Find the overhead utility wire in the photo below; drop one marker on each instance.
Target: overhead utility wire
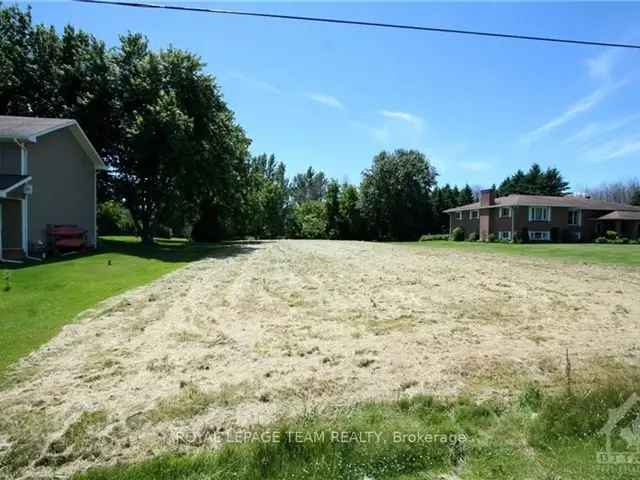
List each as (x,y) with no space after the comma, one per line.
(362,23)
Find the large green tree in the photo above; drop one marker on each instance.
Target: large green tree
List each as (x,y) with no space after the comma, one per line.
(351,225)
(466,196)
(395,195)
(310,185)
(635,199)
(266,203)
(535,182)
(332,207)
(174,151)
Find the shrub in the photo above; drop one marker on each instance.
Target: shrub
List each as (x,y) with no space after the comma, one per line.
(428,238)
(162,231)
(601,240)
(491,238)
(611,235)
(620,240)
(458,234)
(113,218)
(473,237)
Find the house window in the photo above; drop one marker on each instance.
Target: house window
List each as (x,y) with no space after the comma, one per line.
(504,235)
(575,217)
(475,214)
(539,214)
(505,212)
(539,236)
(458,215)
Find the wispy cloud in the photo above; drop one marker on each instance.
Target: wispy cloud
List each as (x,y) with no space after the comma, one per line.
(255,83)
(614,149)
(583,105)
(475,167)
(413,120)
(328,100)
(600,67)
(598,129)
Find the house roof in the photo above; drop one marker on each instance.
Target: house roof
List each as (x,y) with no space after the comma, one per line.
(9,182)
(621,215)
(29,129)
(547,201)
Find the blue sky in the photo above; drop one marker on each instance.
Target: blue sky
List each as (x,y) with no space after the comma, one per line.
(333,96)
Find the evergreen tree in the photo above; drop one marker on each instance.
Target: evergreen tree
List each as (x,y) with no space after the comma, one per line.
(466,196)
(332,206)
(535,182)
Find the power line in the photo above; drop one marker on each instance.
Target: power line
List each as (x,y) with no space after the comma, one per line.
(362,23)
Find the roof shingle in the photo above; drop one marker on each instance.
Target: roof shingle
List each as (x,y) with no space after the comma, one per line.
(547,201)
(25,128)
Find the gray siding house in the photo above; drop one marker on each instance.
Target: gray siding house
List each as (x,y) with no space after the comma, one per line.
(47,176)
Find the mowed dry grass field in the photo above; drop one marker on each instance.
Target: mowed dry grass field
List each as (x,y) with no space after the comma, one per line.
(286,327)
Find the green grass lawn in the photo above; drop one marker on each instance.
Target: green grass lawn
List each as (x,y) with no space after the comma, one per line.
(570,252)
(42,297)
(538,436)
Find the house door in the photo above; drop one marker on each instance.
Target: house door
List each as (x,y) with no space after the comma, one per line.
(11,226)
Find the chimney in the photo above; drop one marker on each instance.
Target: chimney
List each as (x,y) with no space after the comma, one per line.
(487,197)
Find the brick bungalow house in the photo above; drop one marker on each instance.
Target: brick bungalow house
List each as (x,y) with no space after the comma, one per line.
(545,218)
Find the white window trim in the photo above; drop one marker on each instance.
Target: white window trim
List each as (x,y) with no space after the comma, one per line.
(545,234)
(474,214)
(458,215)
(532,216)
(504,235)
(500,215)
(579,224)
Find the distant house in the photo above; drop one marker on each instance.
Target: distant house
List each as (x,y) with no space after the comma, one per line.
(47,177)
(545,218)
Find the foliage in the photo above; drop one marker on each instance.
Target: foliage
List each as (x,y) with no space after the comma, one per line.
(395,195)
(351,223)
(491,238)
(466,196)
(155,117)
(621,192)
(114,219)
(611,235)
(473,237)
(310,185)
(430,238)
(332,207)
(309,220)
(266,204)
(458,234)
(535,182)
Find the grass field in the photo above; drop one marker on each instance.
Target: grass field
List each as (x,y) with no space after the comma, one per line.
(293,328)
(575,252)
(538,436)
(36,300)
